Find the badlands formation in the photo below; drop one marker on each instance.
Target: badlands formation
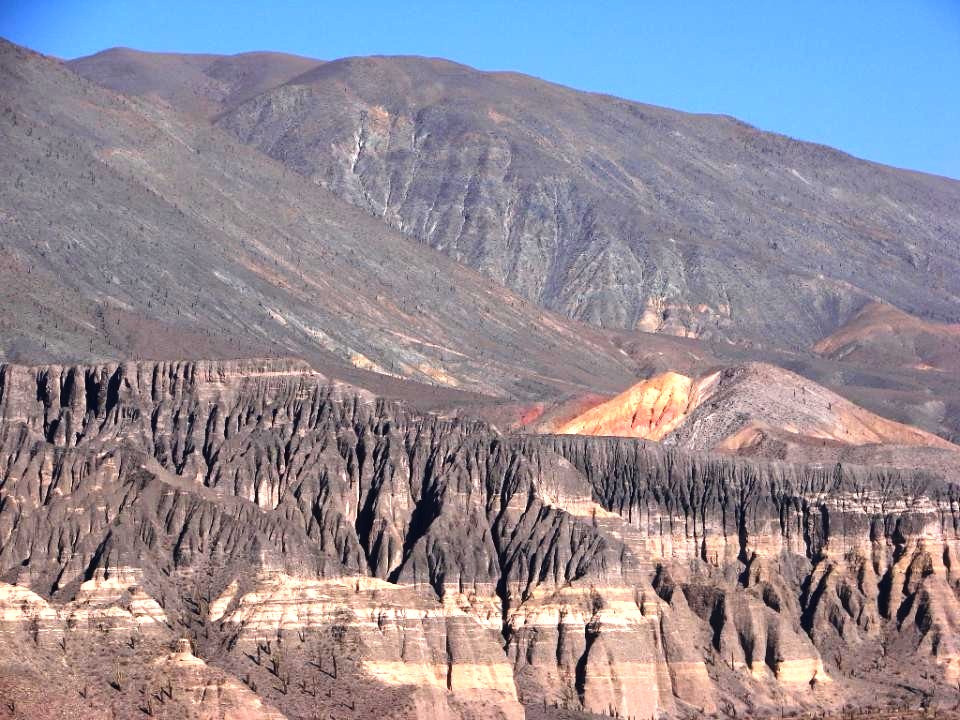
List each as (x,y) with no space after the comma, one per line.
(254,538)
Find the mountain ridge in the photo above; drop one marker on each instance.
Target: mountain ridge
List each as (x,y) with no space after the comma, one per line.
(883,333)
(218,250)
(780,305)
(79,61)
(763,411)
(618,213)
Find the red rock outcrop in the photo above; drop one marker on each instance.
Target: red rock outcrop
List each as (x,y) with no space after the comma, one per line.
(759,410)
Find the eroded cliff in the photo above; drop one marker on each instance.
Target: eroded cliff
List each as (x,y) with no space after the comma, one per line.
(326,551)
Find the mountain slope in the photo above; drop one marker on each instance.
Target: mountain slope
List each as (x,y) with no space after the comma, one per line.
(130,231)
(621,214)
(202,85)
(885,335)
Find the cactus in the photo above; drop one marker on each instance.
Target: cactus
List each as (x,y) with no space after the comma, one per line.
(118,677)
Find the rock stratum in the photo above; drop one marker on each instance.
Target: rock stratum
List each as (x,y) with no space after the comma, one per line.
(251,539)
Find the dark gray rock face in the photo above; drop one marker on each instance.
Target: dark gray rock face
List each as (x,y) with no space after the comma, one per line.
(250,504)
(621,214)
(279,437)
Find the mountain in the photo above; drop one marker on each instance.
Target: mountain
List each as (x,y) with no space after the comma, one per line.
(265,455)
(760,410)
(132,231)
(199,85)
(886,384)
(250,539)
(617,213)
(317,119)
(885,335)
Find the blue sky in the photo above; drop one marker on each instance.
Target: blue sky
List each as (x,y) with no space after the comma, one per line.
(878,79)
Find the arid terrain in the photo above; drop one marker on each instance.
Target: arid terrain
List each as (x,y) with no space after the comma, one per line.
(388,388)
(325,551)
(621,214)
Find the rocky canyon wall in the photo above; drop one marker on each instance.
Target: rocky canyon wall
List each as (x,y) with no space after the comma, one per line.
(326,551)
